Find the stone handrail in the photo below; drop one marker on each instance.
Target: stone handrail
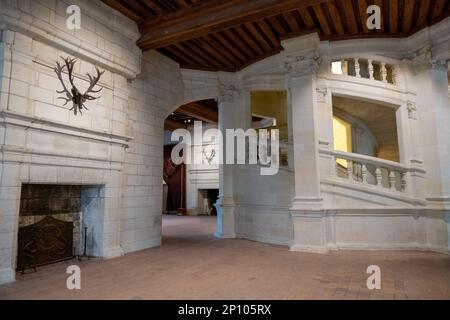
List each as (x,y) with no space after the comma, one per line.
(372,171)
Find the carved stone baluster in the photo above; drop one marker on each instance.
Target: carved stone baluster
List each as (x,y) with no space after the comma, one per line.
(378,176)
(384,73)
(336,167)
(357,68)
(371,70)
(350,170)
(363,173)
(403,182)
(394,75)
(344,71)
(392,179)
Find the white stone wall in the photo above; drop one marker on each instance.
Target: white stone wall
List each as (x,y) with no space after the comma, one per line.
(117,144)
(153,95)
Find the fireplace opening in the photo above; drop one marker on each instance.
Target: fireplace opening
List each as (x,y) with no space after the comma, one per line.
(58,222)
(207,199)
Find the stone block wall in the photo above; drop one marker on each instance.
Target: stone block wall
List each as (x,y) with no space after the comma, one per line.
(114,148)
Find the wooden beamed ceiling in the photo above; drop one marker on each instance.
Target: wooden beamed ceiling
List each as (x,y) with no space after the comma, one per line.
(229,35)
(184,116)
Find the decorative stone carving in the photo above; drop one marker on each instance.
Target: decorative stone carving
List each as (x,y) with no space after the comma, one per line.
(228,93)
(423,60)
(412,108)
(303,65)
(321,94)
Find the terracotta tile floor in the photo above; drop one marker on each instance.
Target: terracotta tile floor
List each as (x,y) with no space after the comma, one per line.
(192,264)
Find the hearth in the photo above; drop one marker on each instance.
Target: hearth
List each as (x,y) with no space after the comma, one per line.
(55,221)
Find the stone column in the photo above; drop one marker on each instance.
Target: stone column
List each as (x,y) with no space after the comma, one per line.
(228,104)
(433,111)
(306,211)
(433,108)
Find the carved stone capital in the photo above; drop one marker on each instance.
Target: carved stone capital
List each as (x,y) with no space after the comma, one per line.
(321,94)
(423,60)
(412,109)
(228,93)
(303,65)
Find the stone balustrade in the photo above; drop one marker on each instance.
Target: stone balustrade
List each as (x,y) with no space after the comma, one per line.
(368,170)
(366,68)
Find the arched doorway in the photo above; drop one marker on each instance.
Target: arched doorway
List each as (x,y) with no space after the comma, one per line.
(190,190)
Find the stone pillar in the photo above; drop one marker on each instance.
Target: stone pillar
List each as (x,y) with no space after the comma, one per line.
(306,211)
(433,108)
(229,102)
(433,111)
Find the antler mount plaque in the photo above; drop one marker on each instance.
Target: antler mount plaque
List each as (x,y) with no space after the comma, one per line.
(78,99)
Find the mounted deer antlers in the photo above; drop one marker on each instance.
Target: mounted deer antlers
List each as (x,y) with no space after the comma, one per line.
(78,99)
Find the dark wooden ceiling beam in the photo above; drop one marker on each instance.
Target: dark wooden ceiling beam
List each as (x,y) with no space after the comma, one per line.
(195,46)
(189,52)
(337,21)
(408,15)
(126,10)
(291,22)
(320,15)
(438,9)
(424,9)
(231,47)
(173,125)
(306,18)
(200,112)
(216,53)
(258,36)
(209,17)
(154,7)
(241,44)
(253,43)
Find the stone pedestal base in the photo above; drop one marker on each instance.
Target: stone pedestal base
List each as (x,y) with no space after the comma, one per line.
(309,229)
(226,227)
(7,276)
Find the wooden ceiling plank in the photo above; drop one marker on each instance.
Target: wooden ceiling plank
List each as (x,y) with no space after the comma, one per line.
(438,9)
(350,16)
(197,48)
(212,41)
(269,33)
(216,53)
(393,16)
(211,16)
(182,56)
(254,46)
(362,8)
(322,20)
(233,35)
(306,17)
(115,4)
(200,112)
(154,7)
(138,7)
(258,37)
(380,4)
(182,3)
(173,125)
(230,46)
(335,16)
(291,22)
(424,9)
(408,14)
(188,51)
(277,26)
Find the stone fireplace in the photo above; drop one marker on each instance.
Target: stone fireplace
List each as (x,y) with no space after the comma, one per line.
(57,222)
(207,199)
